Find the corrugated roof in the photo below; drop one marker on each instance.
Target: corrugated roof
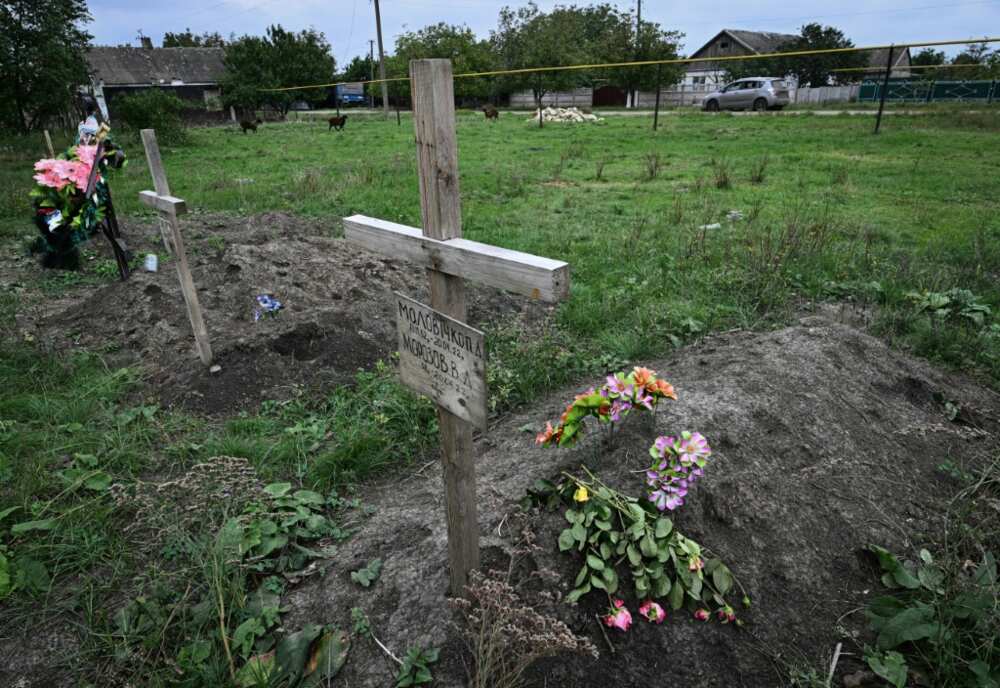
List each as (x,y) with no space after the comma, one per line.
(119,66)
(877,58)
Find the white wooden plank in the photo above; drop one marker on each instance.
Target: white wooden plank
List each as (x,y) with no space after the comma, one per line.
(523,273)
(443,359)
(166,204)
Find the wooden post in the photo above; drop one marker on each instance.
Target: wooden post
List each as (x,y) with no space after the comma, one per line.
(159,176)
(656,109)
(441,210)
(48,144)
(169,208)
(885,88)
(539,92)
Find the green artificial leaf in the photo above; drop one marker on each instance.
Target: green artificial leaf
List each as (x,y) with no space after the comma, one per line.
(582,576)
(890,666)
(648,547)
(597,581)
(574,595)
(369,574)
(579,533)
(676,596)
(573,516)
(595,562)
(610,580)
(663,527)
(28,526)
(722,578)
(278,489)
(566,540)
(661,588)
(634,557)
(926,557)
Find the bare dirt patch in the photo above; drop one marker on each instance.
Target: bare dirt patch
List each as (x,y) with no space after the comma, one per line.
(337,309)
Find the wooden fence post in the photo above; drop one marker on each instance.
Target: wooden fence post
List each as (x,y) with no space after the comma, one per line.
(48,143)
(441,210)
(885,88)
(656,110)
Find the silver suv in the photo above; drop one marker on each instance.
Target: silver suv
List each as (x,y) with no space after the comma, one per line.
(756,92)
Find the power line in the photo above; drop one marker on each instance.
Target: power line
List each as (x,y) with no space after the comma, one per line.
(672,61)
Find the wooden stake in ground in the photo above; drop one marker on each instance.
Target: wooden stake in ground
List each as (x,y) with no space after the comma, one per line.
(439,355)
(169,208)
(48,143)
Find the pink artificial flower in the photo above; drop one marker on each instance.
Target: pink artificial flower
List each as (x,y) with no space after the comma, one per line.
(726,614)
(652,611)
(701,615)
(616,385)
(51,179)
(80,176)
(696,564)
(44,164)
(693,447)
(664,444)
(618,616)
(86,154)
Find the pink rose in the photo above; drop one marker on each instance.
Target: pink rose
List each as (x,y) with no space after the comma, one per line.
(701,615)
(652,611)
(618,616)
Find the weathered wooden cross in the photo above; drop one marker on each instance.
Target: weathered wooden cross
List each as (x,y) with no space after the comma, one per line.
(441,356)
(169,208)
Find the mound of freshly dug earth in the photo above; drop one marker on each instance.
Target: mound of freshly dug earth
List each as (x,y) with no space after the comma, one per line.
(825,441)
(336,318)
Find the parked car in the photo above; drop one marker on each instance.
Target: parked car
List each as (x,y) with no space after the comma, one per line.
(757,93)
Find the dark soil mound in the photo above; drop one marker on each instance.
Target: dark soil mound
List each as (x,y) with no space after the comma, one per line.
(825,440)
(337,310)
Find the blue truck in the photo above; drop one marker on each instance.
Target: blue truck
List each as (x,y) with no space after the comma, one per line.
(350,94)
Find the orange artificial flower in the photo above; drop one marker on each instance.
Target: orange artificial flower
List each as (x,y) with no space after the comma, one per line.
(565,414)
(643,376)
(545,436)
(662,388)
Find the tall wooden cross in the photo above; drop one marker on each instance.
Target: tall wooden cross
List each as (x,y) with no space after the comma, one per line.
(169,208)
(440,356)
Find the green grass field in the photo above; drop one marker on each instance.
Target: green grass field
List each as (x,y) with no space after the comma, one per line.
(827,212)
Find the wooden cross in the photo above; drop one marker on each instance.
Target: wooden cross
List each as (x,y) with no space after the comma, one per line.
(438,352)
(169,209)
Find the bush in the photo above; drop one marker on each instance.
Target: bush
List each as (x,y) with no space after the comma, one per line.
(152,109)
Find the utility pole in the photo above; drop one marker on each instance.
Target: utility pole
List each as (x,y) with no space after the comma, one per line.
(381,62)
(371,73)
(638,48)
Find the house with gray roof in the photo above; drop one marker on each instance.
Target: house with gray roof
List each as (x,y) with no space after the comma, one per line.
(734,42)
(192,74)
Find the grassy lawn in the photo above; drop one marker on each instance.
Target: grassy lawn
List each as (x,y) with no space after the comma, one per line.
(824,211)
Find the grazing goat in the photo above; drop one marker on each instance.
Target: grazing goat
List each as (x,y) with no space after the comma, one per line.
(247,124)
(491,112)
(338,122)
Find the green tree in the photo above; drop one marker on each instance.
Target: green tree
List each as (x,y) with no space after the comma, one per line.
(456,43)
(974,54)
(928,57)
(186,39)
(358,69)
(278,59)
(42,44)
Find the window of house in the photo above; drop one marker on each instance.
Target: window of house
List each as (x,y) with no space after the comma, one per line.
(723,45)
(697,80)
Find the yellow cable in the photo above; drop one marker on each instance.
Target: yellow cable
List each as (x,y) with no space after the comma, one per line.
(645,63)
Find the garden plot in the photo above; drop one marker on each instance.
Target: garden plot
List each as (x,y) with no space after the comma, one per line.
(336,315)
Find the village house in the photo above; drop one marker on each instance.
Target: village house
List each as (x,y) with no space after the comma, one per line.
(192,74)
(733,42)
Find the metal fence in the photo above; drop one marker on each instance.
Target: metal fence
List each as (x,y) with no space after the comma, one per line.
(927,91)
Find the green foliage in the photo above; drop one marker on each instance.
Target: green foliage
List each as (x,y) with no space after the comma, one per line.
(279,58)
(612,530)
(955,306)
(368,574)
(943,617)
(415,669)
(42,46)
(186,39)
(457,43)
(152,109)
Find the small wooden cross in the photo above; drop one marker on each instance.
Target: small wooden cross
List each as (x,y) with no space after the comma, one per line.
(444,365)
(169,209)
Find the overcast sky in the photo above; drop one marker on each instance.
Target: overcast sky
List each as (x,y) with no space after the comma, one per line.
(349,24)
